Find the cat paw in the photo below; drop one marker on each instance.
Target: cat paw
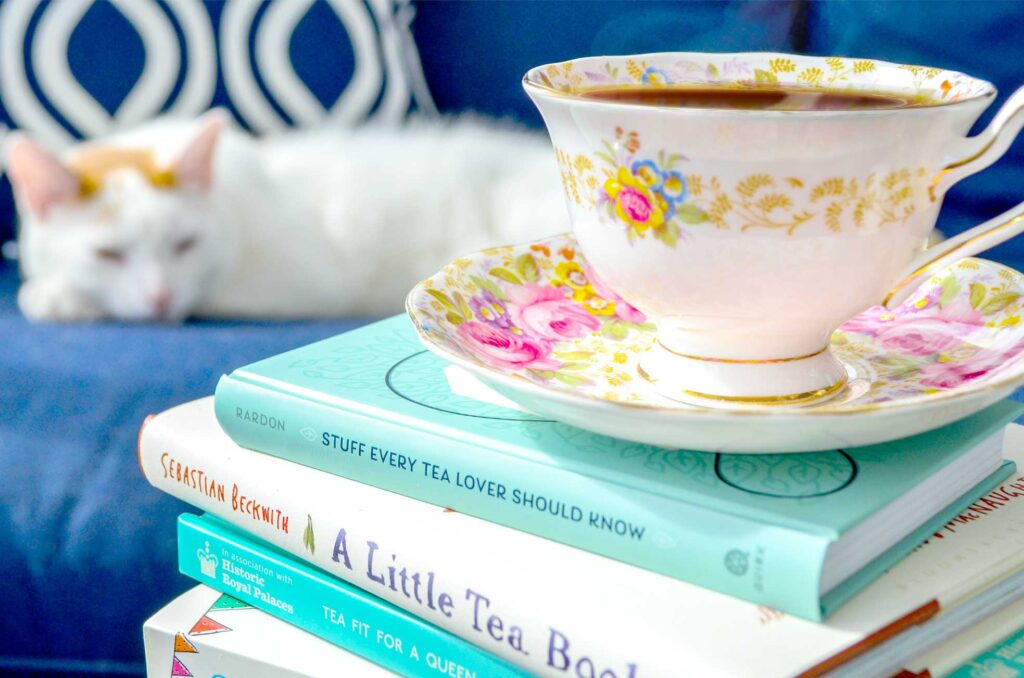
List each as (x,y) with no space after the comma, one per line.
(43,301)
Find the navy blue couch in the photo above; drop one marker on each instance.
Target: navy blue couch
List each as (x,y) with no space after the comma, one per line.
(88,546)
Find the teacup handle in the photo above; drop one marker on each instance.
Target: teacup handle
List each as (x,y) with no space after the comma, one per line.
(975,154)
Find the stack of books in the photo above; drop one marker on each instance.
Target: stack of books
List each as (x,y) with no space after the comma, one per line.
(359,507)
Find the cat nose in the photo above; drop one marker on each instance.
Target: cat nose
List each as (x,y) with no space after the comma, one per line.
(161,302)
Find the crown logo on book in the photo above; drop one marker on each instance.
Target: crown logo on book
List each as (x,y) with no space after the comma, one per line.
(737,562)
(207,562)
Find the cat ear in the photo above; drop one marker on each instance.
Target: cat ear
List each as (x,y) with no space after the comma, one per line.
(38,176)
(194,167)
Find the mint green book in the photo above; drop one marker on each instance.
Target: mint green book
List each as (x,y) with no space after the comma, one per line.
(800,533)
(216,554)
(1003,660)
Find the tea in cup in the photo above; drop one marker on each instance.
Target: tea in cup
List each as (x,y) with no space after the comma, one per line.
(750,203)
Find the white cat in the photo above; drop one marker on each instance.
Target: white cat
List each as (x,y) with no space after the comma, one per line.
(177,218)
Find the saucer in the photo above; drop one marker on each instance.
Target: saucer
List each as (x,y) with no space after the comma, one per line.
(533,323)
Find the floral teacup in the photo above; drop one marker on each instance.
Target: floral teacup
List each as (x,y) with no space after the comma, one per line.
(748,236)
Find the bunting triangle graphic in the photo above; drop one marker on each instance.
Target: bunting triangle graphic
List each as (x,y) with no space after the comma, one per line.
(181,644)
(226,602)
(207,625)
(178,669)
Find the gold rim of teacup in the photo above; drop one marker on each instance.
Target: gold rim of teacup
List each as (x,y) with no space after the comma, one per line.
(744,361)
(767,401)
(530,83)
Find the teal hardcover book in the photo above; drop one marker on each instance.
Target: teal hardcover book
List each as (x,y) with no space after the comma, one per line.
(218,555)
(801,533)
(1003,660)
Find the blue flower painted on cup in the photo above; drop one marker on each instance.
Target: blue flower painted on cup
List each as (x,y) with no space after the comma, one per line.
(673,187)
(648,172)
(655,76)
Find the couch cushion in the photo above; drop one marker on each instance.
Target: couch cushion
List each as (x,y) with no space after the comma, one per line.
(89,546)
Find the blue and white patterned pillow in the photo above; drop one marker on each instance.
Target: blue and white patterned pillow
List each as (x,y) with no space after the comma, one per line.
(79,68)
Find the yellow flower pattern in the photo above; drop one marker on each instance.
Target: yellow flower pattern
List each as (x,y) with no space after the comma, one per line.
(757,201)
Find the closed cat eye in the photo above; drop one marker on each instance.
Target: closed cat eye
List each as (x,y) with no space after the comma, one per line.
(185,245)
(114,256)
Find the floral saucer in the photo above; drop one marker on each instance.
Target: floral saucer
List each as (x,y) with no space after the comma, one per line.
(534,323)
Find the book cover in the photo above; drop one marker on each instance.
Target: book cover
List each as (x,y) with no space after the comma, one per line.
(205,634)
(373,406)
(966,651)
(1003,660)
(554,609)
(213,553)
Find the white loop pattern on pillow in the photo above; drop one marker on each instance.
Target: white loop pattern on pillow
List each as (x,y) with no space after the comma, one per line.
(386,80)
(147,96)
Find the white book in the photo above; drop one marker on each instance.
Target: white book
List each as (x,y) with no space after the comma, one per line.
(553,609)
(204,634)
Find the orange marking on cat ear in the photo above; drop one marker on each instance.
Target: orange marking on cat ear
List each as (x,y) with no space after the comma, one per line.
(567,252)
(38,176)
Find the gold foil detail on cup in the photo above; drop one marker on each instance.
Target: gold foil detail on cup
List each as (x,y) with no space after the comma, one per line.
(735,361)
(768,401)
(789,399)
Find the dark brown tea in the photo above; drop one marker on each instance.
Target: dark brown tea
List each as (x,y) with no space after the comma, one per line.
(756,98)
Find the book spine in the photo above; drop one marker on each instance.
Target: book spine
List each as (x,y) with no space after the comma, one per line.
(324,606)
(553,610)
(762,563)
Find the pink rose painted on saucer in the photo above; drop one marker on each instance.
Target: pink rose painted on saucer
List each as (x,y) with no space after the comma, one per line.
(947,334)
(947,375)
(524,314)
(918,336)
(501,348)
(944,376)
(546,313)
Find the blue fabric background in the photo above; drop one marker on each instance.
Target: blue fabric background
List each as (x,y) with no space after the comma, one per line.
(88,546)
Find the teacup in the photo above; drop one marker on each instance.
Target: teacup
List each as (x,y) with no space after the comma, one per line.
(749,235)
